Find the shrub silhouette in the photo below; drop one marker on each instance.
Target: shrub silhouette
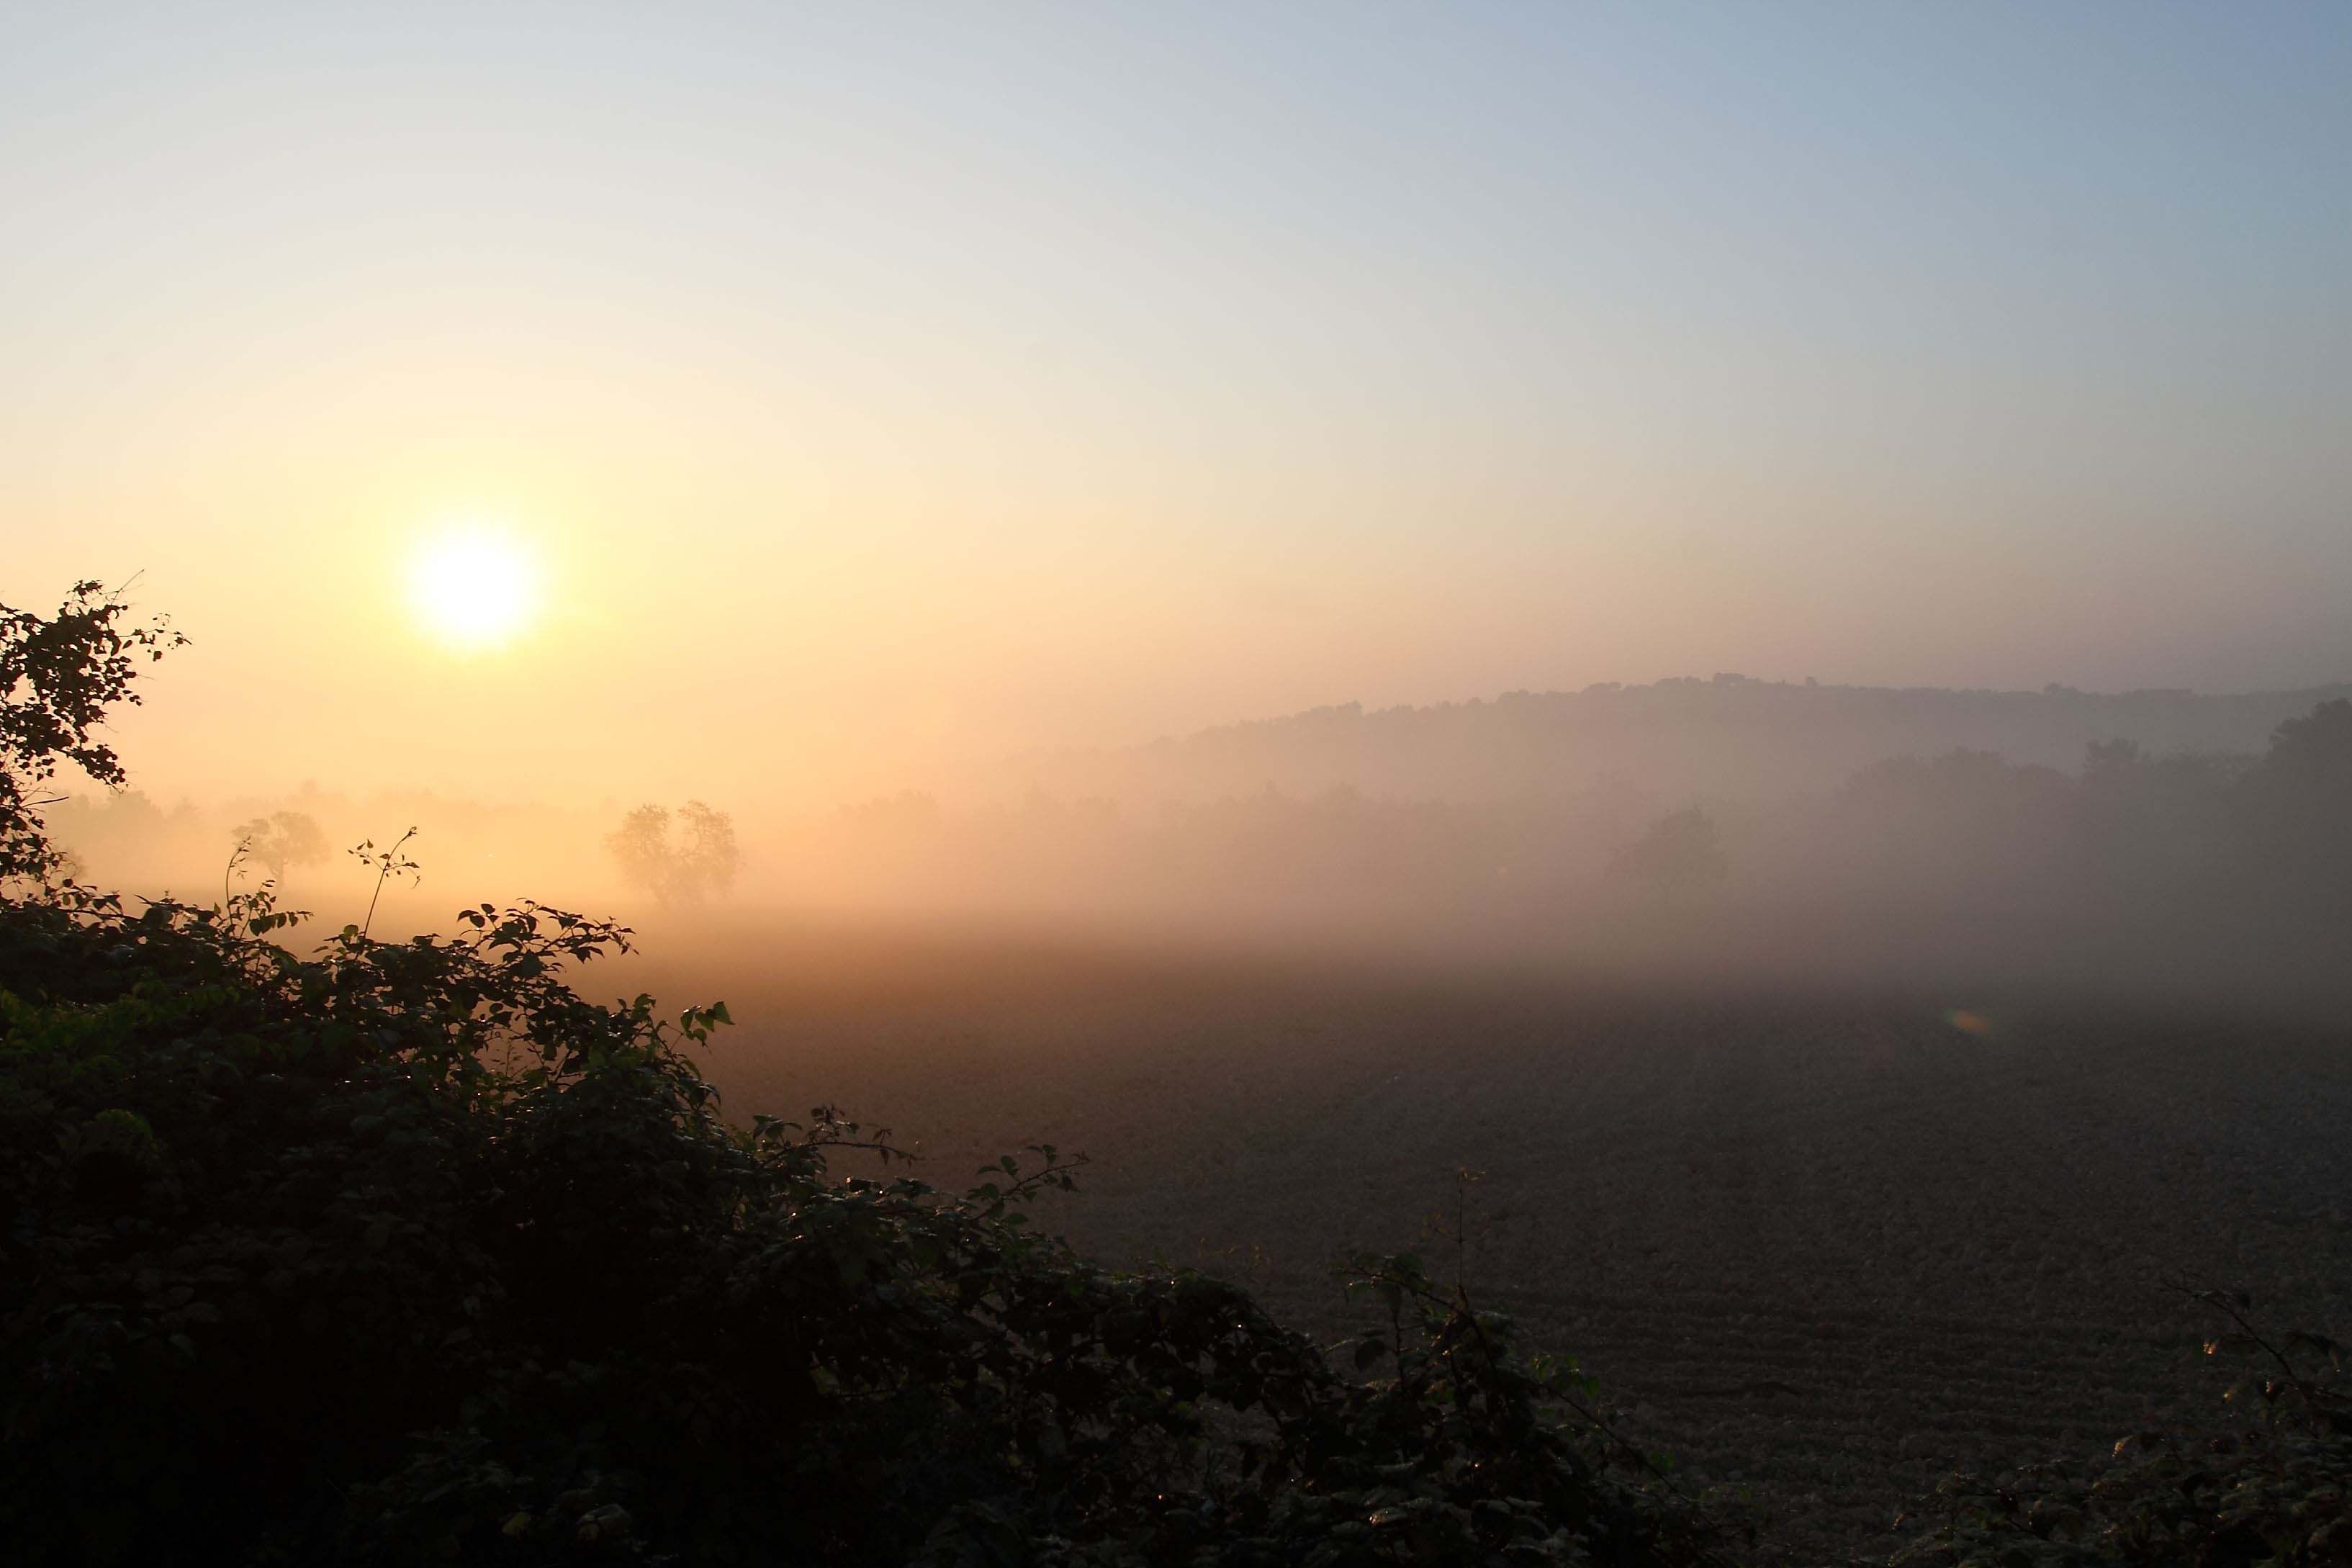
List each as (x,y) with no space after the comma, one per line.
(2271,1483)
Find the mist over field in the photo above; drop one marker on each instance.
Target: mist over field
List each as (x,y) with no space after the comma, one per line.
(1720,831)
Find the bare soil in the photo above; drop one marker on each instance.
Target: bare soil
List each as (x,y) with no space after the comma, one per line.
(1827,1246)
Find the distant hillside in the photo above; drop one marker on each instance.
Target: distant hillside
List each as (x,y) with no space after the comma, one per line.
(1726,736)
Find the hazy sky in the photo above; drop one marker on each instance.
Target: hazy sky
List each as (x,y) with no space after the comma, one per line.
(867,384)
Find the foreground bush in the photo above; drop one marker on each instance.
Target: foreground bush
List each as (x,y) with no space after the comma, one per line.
(407,1252)
(2269,1484)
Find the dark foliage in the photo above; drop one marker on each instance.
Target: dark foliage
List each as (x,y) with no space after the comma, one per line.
(2271,1484)
(58,675)
(407,1251)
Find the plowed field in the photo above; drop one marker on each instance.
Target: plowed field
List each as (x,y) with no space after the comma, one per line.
(1825,1246)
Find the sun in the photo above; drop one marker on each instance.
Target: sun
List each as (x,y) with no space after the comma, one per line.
(474,587)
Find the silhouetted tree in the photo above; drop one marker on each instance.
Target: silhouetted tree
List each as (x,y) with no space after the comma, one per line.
(1968,827)
(58,675)
(2296,810)
(700,858)
(282,841)
(2157,825)
(1679,854)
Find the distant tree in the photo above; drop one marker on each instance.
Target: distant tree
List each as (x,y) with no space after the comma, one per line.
(2111,758)
(698,858)
(1968,824)
(282,841)
(2157,825)
(1680,854)
(640,848)
(2295,809)
(2312,756)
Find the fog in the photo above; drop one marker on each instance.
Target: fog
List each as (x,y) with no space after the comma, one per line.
(2147,845)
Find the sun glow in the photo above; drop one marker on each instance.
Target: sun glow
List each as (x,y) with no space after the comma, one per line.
(474,587)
